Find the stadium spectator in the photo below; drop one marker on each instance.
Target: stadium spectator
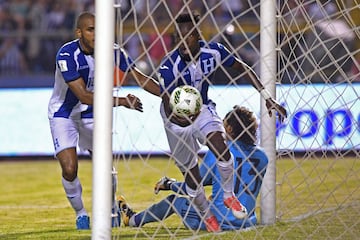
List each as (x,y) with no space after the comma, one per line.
(321,10)
(12,60)
(330,44)
(355,70)
(231,9)
(250,167)
(192,63)
(37,23)
(70,109)
(159,46)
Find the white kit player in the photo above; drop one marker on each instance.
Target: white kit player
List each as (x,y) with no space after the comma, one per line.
(70,109)
(191,63)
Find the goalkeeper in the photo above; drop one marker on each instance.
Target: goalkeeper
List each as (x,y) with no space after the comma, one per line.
(250,167)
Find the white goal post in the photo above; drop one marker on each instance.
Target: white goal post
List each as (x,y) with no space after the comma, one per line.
(267,131)
(307,55)
(103,102)
(102,155)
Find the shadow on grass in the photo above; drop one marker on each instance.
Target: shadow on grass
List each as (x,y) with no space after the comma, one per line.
(157,233)
(49,234)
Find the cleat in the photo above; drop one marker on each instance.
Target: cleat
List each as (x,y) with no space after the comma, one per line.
(212,224)
(125,210)
(163,184)
(82,222)
(238,210)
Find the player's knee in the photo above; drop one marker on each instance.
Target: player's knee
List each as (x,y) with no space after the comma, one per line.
(223,154)
(216,142)
(69,173)
(185,164)
(171,198)
(227,155)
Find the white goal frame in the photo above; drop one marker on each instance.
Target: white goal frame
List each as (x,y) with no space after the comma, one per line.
(103,102)
(267,126)
(102,146)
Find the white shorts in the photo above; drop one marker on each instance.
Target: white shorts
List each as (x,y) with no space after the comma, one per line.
(184,142)
(68,133)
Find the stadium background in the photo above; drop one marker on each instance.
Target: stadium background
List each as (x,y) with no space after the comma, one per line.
(316,194)
(33,30)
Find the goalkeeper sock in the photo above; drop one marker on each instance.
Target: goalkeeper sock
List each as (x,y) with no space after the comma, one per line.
(226,170)
(199,198)
(73,192)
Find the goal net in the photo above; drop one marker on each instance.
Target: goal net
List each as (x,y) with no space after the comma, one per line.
(316,78)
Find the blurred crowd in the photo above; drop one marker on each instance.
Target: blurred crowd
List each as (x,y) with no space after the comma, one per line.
(31,31)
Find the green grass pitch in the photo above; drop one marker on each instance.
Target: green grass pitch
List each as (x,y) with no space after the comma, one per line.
(317,199)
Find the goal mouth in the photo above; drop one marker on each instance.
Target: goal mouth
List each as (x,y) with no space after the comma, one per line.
(306,56)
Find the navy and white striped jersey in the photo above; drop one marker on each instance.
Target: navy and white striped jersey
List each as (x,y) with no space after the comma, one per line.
(71,64)
(174,71)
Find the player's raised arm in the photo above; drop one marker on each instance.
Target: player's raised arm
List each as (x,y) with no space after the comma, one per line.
(87,97)
(146,82)
(271,103)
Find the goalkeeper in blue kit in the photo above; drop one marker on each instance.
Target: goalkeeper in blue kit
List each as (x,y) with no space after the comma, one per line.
(250,167)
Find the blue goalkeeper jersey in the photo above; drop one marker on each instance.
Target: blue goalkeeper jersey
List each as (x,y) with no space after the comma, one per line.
(174,71)
(71,64)
(250,164)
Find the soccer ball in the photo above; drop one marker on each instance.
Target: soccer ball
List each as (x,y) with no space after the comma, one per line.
(185,101)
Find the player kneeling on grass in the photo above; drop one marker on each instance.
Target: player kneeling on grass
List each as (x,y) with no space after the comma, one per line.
(250,167)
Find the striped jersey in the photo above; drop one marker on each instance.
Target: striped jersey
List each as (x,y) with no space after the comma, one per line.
(174,71)
(72,63)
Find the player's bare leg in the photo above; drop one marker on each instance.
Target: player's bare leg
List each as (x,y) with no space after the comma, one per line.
(225,165)
(196,193)
(69,164)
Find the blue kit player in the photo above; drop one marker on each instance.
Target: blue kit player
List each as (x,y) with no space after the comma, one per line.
(70,110)
(250,164)
(192,63)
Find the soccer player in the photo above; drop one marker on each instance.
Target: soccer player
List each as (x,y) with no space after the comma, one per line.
(250,167)
(192,63)
(70,109)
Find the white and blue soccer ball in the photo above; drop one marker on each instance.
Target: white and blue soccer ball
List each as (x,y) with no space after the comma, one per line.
(185,101)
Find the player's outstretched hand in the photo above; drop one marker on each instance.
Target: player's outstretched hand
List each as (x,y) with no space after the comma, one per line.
(272,104)
(184,121)
(133,102)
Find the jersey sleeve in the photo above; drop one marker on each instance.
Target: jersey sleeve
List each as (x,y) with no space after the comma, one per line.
(227,58)
(66,63)
(123,60)
(166,77)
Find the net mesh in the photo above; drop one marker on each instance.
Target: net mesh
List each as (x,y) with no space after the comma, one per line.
(317,190)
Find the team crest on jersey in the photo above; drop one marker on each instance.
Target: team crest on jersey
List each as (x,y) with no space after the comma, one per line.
(63,65)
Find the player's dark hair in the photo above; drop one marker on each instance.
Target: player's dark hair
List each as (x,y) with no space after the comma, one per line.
(193,17)
(80,19)
(243,123)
